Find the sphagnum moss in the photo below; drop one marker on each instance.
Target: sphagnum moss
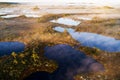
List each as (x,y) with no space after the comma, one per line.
(18,66)
(37,35)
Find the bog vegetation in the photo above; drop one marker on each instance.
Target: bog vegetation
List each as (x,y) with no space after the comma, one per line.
(39,33)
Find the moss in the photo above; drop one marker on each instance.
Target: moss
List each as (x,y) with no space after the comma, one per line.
(19,66)
(90,51)
(37,36)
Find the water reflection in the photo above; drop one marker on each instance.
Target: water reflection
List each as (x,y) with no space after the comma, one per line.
(66,21)
(93,40)
(1,13)
(61,29)
(84,18)
(14,16)
(39,76)
(71,62)
(10,16)
(32,15)
(6,48)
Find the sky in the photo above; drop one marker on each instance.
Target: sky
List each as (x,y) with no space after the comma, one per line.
(96,1)
(64,1)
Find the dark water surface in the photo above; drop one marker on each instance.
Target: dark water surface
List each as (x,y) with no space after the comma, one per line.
(71,62)
(6,48)
(39,76)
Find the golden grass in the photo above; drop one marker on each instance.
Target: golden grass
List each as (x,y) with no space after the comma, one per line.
(107,27)
(38,33)
(49,17)
(19,66)
(36,36)
(112,67)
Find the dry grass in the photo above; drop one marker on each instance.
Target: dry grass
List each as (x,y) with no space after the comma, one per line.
(109,60)
(107,27)
(38,33)
(19,66)
(36,36)
(49,17)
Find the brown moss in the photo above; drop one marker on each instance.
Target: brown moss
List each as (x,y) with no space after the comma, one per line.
(37,36)
(19,66)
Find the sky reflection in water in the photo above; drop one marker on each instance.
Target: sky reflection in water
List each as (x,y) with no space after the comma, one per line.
(6,48)
(108,44)
(66,21)
(71,62)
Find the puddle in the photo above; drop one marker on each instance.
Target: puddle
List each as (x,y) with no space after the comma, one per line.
(79,17)
(1,14)
(66,21)
(6,48)
(32,15)
(84,18)
(10,16)
(104,43)
(61,29)
(8,10)
(71,62)
(14,16)
(15,12)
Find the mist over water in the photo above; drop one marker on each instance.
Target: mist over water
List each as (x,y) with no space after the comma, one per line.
(113,3)
(27,8)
